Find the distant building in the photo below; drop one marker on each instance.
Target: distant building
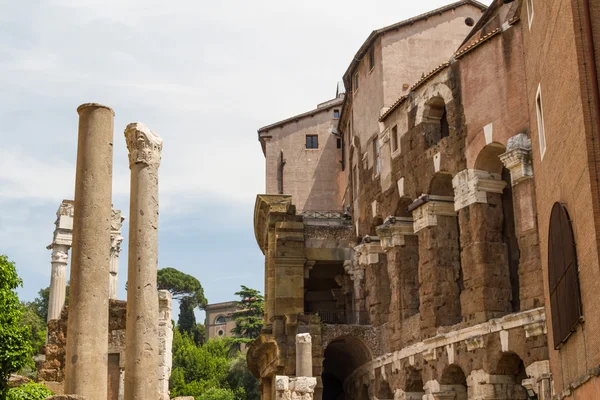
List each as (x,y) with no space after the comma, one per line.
(219,319)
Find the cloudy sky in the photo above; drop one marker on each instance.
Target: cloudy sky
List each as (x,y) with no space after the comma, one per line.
(204,75)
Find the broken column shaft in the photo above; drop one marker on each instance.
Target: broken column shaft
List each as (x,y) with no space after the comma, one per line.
(304,355)
(87,347)
(142,354)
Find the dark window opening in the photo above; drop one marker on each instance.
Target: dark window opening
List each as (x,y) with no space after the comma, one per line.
(372,58)
(339,143)
(513,253)
(444,128)
(336,114)
(355,82)
(394,138)
(563,279)
(312,141)
(469,21)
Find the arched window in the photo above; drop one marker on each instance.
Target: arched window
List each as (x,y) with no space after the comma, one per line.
(435,118)
(565,304)
(220,320)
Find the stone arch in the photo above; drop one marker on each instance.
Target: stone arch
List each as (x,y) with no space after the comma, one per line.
(453,379)
(488,158)
(509,374)
(342,356)
(383,390)
(435,91)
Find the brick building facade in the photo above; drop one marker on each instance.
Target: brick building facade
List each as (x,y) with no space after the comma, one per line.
(437,278)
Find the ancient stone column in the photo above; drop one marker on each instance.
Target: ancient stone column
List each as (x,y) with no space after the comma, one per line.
(304,355)
(142,360)
(61,243)
(58,280)
(87,348)
(165,334)
(115,249)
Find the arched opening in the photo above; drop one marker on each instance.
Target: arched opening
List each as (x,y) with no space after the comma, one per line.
(435,120)
(441,185)
(488,160)
(342,356)
(377,221)
(384,391)
(414,383)
(511,365)
(454,380)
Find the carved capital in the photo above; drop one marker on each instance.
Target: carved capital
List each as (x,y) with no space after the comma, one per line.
(356,273)
(368,252)
(517,158)
(426,213)
(393,231)
(60,254)
(144,145)
(472,186)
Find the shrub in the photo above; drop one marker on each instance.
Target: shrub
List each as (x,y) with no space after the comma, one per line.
(29,391)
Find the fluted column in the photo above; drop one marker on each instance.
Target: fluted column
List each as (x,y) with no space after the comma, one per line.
(58,280)
(86,358)
(115,249)
(142,354)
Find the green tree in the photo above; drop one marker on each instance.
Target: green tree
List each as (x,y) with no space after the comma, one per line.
(40,303)
(188,291)
(36,328)
(14,345)
(241,379)
(217,394)
(249,319)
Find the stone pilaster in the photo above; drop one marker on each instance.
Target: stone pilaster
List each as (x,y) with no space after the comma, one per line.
(539,379)
(472,186)
(357,275)
(115,249)
(165,335)
(61,243)
(486,274)
(142,357)
(87,327)
(289,260)
(429,208)
(439,262)
(484,386)
(517,158)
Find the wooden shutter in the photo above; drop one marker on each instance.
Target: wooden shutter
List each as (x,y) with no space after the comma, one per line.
(565,304)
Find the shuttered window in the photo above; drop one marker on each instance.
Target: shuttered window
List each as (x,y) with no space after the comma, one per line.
(565,304)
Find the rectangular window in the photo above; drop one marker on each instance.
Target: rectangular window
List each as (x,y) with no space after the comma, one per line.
(355,82)
(312,141)
(372,58)
(336,113)
(339,143)
(376,158)
(530,11)
(355,182)
(540,122)
(394,138)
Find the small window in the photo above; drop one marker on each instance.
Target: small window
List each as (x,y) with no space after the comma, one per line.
(469,21)
(540,122)
(530,11)
(339,143)
(312,141)
(376,158)
(221,332)
(220,320)
(355,82)
(336,113)
(372,58)
(394,138)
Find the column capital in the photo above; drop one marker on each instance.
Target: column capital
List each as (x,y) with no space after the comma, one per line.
(393,231)
(472,186)
(144,146)
(367,253)
(356,273)
(427,208)
(60,253)
(517,158)
(116,224)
